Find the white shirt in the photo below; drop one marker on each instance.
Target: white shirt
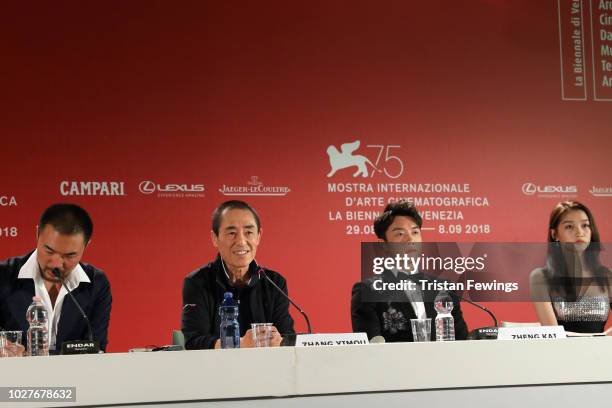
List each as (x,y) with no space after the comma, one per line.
(31,270)
(415,296)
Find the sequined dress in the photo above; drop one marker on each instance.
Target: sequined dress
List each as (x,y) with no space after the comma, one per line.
(587,315)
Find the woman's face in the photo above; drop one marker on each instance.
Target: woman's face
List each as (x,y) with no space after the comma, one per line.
(574,228)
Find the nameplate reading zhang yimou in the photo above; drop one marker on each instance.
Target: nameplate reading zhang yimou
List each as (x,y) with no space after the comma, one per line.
(531,333)
(331,339)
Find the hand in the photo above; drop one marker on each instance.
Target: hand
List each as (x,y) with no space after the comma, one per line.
(247,340)
(608,332)
(276,339)
(12,350)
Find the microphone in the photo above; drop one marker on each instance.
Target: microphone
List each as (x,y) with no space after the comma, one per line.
(77,346)
(261,272)
(481,333)
(377,340)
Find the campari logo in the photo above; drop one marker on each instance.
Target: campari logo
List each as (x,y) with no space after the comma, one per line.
(376,159)
(254,187)
(92,188)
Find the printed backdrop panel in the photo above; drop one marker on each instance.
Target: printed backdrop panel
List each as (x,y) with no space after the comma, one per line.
(149,114)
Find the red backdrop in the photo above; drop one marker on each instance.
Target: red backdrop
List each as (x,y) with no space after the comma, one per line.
(251,94)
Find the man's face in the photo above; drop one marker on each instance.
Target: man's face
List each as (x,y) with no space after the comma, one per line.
(403,229)
(56,250)
(238,238)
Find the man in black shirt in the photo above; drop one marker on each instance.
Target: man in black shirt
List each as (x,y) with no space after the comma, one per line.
(236,233)
(390,317)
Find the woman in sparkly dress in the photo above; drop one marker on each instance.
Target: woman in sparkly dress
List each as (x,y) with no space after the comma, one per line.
(573,289)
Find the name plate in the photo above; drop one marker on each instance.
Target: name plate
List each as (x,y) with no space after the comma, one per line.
(531,333)
(330,339)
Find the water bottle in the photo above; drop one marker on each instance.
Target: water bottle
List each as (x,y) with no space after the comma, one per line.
(229,329)
(38,333)
(445,324)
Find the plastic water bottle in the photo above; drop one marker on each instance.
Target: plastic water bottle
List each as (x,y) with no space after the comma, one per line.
(38,333)
(445,324)
(229,329)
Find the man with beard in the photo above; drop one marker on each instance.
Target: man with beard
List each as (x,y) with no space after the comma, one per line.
(63,233)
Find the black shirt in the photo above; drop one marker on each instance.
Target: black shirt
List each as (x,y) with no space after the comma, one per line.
(203,291)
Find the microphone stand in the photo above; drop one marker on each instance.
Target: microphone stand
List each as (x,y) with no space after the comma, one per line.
(78,346)
(261,272)
(482,333)
(58,275)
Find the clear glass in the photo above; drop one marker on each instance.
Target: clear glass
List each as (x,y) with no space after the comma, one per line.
(421,329)
(262,334)
(10,342)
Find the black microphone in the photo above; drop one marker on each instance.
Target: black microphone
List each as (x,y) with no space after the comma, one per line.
(482,333)
(78,346)
(261,272)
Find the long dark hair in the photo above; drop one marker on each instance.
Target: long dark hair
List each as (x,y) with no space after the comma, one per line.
(561,278)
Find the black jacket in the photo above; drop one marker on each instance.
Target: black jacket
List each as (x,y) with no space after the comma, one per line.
(95,299)
(203,291)
(390,315)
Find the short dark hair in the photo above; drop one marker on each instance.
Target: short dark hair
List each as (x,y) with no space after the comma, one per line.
(392,210)
(232,205)
(67,219)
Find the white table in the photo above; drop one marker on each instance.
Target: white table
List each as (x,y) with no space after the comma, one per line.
(357,375)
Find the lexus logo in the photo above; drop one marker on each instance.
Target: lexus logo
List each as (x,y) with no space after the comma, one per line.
(529,189)
(171,189)
(146,187)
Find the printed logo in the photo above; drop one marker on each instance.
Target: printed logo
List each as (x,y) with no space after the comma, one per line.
(254,187)
(147,187)
(8,201)
(529,189)
(601,191)
(92,188)
(383,160)
(345,158)
(549,191)
(172,190)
